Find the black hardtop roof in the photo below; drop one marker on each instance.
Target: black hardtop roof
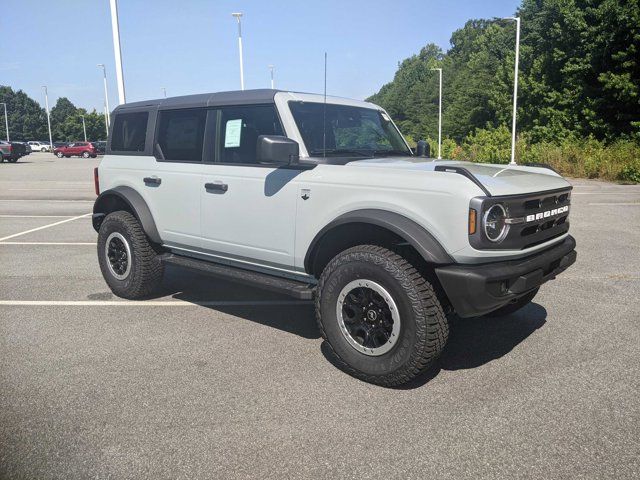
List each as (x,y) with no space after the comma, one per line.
(237,97)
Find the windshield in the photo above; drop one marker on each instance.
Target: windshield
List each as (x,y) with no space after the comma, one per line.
(350,131)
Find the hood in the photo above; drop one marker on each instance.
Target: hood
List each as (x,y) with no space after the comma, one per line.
(497,179)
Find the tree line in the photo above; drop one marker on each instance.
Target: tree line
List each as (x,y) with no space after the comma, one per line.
(579,76)
(28,120)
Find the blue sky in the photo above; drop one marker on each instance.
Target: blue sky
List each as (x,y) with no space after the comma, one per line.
(190,46)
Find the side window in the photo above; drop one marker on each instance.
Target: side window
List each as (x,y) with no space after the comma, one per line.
(181,134)
(240,128)
(129,132)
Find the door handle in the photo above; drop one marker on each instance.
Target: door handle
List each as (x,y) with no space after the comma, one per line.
(152,180)
(216,186)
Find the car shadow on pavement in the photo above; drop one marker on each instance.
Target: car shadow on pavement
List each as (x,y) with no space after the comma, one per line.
(472,342)
(285,313)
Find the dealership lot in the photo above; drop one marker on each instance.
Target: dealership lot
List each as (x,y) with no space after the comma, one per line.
(216,380)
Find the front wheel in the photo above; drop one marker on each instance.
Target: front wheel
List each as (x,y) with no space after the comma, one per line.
(59,155)
(43,149)
(86,154)
(379,315)
(128,261)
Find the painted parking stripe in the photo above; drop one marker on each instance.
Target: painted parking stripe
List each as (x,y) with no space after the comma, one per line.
(151,303)
(47,243)
(43,227)
(44,200)
(616,203)
(36,216)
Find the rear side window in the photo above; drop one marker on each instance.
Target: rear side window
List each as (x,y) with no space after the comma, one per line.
(181,134)
(240,128)
(129,132)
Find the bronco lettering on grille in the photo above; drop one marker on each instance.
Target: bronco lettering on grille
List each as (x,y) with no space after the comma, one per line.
(547,214)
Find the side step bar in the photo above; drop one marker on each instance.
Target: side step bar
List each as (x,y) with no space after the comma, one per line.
(293,288)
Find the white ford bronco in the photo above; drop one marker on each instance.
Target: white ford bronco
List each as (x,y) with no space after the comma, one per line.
(322,198)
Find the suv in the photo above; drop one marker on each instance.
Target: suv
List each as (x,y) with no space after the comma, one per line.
(80,149)
(12,151)
(39,146)
(322,198)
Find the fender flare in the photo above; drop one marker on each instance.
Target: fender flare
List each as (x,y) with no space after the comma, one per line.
(136,204)
(414,234)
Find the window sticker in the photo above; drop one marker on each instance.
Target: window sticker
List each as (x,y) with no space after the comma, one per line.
(232,133)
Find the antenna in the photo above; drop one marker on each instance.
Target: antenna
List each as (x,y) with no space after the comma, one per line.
(324,111)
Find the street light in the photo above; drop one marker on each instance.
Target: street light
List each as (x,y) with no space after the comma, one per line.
(515,91)
(238,16)
(118,52)
(106,94)
(164,91)
(46,103)
(6,120)
(84,128)
(439,115)
(271,67)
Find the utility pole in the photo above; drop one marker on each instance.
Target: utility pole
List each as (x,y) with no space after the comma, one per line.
(164,91)
(106,94)
(84,128)
(515,91)
(238,16)
(106,121)
(115,27)
(6,120)
(46,103)
(439,115)
(271,67)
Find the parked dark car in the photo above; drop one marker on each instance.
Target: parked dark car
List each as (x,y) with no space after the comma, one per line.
(79,149)
(100,147)
(11,151)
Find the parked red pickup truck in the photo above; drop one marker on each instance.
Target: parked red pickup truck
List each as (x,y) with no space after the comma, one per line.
(79,149)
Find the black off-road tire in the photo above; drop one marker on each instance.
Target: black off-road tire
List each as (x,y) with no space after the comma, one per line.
(146,271)
(424,329)
(513,307)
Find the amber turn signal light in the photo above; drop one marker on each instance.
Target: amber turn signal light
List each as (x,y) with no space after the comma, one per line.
(472,221)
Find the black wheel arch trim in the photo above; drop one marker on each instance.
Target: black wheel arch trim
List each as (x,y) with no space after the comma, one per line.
(413,233)
(137,205)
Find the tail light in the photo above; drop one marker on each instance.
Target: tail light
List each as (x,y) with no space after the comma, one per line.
(96,181)
(10,148)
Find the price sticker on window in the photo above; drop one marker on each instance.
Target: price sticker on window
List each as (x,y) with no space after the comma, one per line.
(232,133)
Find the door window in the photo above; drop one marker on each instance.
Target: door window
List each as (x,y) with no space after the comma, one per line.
(240,128)
(181,134)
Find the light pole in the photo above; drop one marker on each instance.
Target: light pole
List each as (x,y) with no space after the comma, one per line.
(164,91)
(6,120)
(515,91)
(238,16)
(106,93)
(106,121)
(118,52)
(84,128)
(439,115)
(271,67)
(46,103)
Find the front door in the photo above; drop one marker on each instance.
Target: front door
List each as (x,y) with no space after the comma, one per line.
(248,209)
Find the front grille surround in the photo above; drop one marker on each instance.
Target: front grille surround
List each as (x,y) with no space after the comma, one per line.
(525,234)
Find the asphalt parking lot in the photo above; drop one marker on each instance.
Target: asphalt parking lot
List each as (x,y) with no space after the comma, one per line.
(215,380)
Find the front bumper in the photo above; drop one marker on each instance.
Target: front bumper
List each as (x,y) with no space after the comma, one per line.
(474,290)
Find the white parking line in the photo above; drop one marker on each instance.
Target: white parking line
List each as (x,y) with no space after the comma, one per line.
(614,203)
(35,216)
(43,200)
(43,227)
(151,303)
(47,243)
(617,192)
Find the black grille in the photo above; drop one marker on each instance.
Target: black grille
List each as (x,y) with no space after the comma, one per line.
(534,227)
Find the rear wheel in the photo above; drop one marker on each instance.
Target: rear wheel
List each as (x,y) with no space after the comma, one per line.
(380,317)
(13,160)
(43,149)
(128,261)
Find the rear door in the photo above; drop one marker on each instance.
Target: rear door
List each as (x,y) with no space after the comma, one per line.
(248,209)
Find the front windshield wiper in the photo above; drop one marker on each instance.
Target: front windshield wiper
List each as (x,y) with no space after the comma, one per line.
(340,151)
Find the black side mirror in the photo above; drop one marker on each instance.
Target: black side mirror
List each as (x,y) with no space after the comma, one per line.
(422,149)
(276,149)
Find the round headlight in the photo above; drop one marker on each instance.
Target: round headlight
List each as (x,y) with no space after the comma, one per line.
(495,227)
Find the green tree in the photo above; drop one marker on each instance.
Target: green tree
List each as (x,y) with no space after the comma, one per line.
(27,120)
